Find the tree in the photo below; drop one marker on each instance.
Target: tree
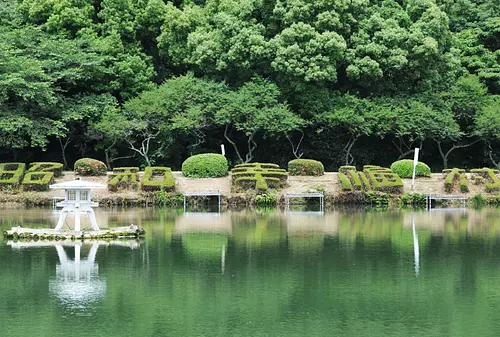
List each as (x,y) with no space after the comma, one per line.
(487,126)
(253,110)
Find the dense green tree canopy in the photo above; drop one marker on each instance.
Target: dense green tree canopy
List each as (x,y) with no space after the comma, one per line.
(341,81)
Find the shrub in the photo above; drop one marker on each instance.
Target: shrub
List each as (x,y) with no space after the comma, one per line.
(463,183)
(404,169)
(122,178)
(265,199)
(206,165)
(489,176)
(90,167)
(451,175)
(413,199)
(37,181)
(56,168)
(345,169)
(11,175)
(158,178)
(383,179)
(305,167)
(258,175)
(345,184)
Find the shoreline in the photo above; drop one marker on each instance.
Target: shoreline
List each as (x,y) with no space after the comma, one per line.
(328,184)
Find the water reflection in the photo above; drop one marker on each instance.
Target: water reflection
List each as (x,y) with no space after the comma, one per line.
(266,273)
(77,283)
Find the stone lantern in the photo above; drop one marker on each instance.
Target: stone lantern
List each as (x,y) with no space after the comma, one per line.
(77,200)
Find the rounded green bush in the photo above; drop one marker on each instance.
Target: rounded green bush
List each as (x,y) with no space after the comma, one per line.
(305,167)
(206,165)
(90,167)
(404,169)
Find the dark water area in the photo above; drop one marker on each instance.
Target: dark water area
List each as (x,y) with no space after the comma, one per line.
(258,273)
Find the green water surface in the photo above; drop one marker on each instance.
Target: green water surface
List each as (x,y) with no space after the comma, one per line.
(259,273)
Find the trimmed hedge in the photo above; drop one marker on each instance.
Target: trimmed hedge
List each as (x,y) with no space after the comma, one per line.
(37,181)
(122,178)
(56,168)
(11,175)
(90,167)
(372,178)
(345,183)
(451,176)
(258,175)
(345,169)
(205,165)
(404,169)
(492,182)
(305,167)
(126,169)
(150,181)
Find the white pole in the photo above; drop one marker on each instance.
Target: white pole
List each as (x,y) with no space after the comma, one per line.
(415,162)
(223,149)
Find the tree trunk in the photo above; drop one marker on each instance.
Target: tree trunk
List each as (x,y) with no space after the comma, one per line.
(232,143)
(445,156)
(490,156)
(63,150)
(295,149)
(349,159)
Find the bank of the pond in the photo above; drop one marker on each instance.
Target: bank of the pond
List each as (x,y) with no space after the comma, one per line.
(328,184)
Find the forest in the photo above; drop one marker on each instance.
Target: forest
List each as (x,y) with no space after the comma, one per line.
(346,82)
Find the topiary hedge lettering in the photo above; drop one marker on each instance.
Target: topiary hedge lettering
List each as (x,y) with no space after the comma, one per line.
(11,175)
(451,177)
(488,177)
(122,178)
(158,178)
(404,169)
(38,181)
(372,178)
(305,167)
(260,176)
(55,168)
(205,165)
(90,167)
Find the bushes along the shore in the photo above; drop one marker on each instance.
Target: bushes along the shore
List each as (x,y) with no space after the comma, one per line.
(305,167)
(404,169)
(90,167)
(206,165)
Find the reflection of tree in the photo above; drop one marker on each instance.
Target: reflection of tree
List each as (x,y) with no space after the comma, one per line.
(251,231)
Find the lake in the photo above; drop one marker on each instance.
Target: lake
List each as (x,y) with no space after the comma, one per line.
(258,273)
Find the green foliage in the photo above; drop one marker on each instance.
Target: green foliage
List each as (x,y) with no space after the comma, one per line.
(206,165)
(165,198)
(265,199)
(305,167)
(451,177)
(464,188)
(56,168)
(404,169)
(260,176)
(158,179)
(383,179)
(11,175)
(122,178)
(345,169)
(90,167)
(132,169)
(37,181)
(345,183)
(413,199)
(492,182)
(377,198)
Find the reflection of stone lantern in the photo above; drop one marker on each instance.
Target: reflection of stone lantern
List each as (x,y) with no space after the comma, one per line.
(77,280)
(77,200)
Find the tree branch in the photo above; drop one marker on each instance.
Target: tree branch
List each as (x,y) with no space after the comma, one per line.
(232,143)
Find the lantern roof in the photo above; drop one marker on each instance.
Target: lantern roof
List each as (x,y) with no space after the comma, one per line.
(77,185)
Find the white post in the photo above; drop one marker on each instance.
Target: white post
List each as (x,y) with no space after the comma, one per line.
(415,162)
(223,149)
